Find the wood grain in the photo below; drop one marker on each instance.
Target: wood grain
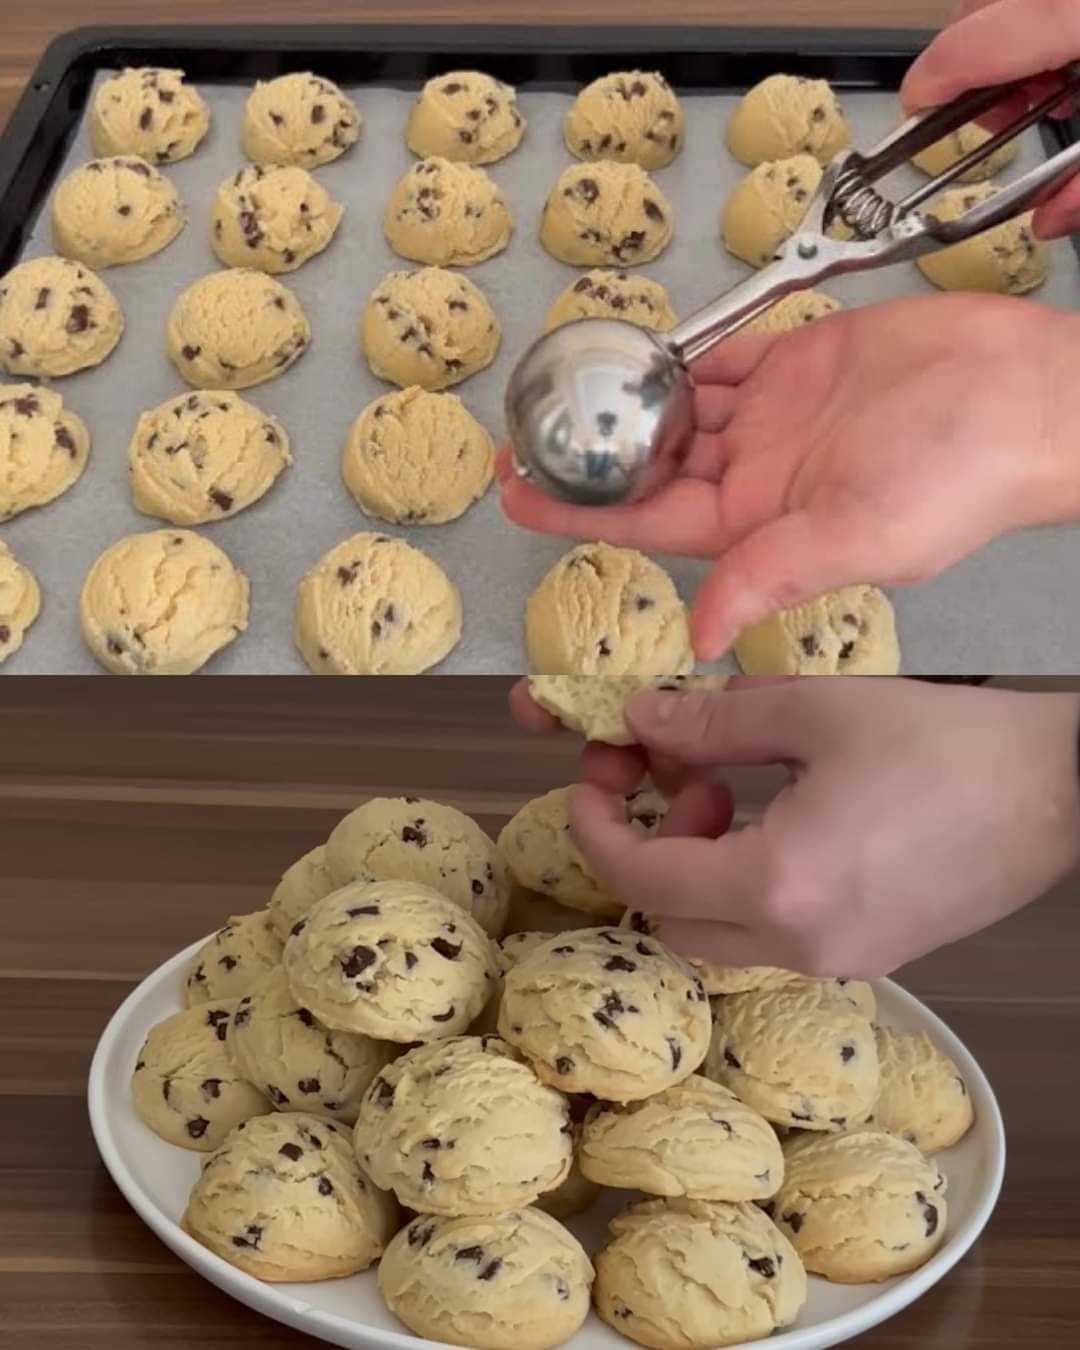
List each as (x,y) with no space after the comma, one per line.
(26,29)
(135,816)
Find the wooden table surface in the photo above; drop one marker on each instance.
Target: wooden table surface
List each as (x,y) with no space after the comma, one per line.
(134,817)
(27,26)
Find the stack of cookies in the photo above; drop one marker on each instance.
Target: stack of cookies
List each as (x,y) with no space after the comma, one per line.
(430,1050)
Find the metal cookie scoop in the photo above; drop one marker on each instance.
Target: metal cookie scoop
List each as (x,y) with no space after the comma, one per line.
(600,411)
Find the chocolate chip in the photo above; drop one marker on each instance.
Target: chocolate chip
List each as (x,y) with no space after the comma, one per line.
(277,119)
(469,1254)
(838,1121)
(293,1151)
(809,644)
(564,1064)
(847,1053)
(78,319)
(410,960)
(454,303)
(763,1265)
(306,1017)
(197,1128)
(123,210)
(382,1091)
(357,910)
(358,960)
(250,1237)
(588,189)
(606,423)
(411,835)
(318,114)
(846,650)
(930,1213)
(427,1173)
(16,348)
(454,87)
(309,1085)
(146,120)
(276,1095)
(465,135)
(448,950)
(443,1017)
(220,499)
(731,1061)
(419,1236)
(676,1052)
(298,928)
(793,1220)
(617,963)
(43,297)
(603,648)
(651,209)
(611,1007)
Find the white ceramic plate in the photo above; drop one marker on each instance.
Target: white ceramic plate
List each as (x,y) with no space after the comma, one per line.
(156,1179)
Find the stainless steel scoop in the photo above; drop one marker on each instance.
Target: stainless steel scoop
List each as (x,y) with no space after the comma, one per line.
(601,412)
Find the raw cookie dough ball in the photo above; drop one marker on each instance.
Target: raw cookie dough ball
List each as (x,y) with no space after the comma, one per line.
(233,329)
(414,456)
(300,1064)
(540,853)
(162,603)
(394,960)
(234,959)
(632,116)
(607,1012)
(517,1279)
(307,880)
(407,838)
(922,1096)
(285,1199)
(117,210)
(607,611)
(431,327)
(56,317)
(693,1275)
(799,1053)
(787,115)
(376,606)
(463,1127)
(148,112)
(43,447)
(185,1085)
(204,456)
(272,219)
(793,311)
(594,705)
(717,979)
(862,1206)
(1007,259)
(602,294)
(20,602)
(943,154)
(447,214)
(847,632)
(669,1145)
(298,119)
(465,116)
(768,206)
(606,215)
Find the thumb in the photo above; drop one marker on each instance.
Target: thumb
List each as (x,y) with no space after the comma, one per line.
(783,563)
(767,724)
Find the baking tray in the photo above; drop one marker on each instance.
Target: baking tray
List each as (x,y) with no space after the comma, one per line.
(1008,610)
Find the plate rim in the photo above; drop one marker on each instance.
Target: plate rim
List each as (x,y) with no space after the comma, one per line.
(295,1312)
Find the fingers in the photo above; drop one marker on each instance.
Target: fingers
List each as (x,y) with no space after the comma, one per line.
(706,728)
(715,879)
(613,768)
(733,360)
(1011,40)
(725,944)
(785,562)
(701,810)
(1061,214)
(529,714)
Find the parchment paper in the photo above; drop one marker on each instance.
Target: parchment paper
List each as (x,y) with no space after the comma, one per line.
(1012,608)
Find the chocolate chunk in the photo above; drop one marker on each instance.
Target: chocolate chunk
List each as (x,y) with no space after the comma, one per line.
(793,1220)
(676,1052)
(382,1091)
(490,1270)
(43,297)
(309,1085)
(809,644)
(454,87)
(611,1007)
(838,1121)
(603,648)
(652,210)
(427,1173)
(229,962)
(347,575)
(763,1265)
(277,119)
(469,1254)
(446,949)
(637,89)
(197,1128)
(26,407)
(250,1237)
(358,960)
(443,1017)
(476,886)
(276,1095)
(146,120)
(326,1186)
(78,319)
(419,1236)
(305,1016)
(411,959)
(606,423)
(588,189)
(847,1053)
(16,348)
(730,1060)
(220,499)
(318,114)
(166,95)
(846,650)
(293,1151)
(564,1064)
(617,963)
(298,928)
(411,835)
(930,1213)
(357,910)
(454,303)
(124,210)
(465,135)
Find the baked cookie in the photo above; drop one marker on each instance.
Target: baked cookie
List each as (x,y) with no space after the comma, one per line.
(606,215)
(463,1127)
(793,311)
(862,1206)
(693,1274)
(162,603)
(307,880)
(785,115)
(56,317)
(416,457)
(447,214)
(540,853)
(508,953)
(943,154)
(394,960)
(530,911)
(467,117)
(767,207)
(1007,259)
(607,1012)
(516,1279)
(847,632)
(204,456)
(430,327)
(149,112)
(273,219)
(576,1194)
(20,602)
(407,838)
(298,119)
(43,447)
(185,1086)
(632,116)
(593,705)
(234,959)
(607,611)
(117,210)
(858,993)
(284,1199)
(233,329)
(694,1139)
(922,1096)
(603,294)
(801,1054)
(293,1059)
(717,979)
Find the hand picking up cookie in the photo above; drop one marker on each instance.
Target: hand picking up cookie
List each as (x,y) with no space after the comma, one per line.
(593,704)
